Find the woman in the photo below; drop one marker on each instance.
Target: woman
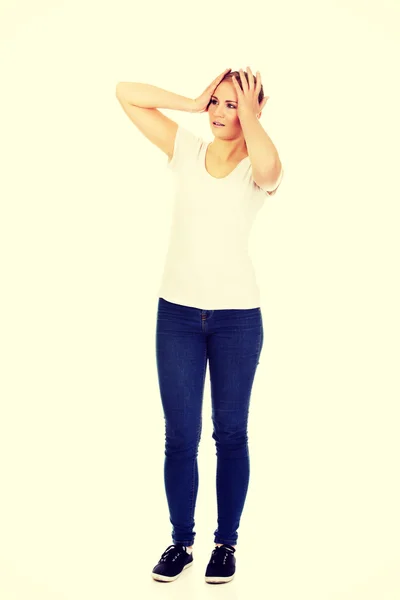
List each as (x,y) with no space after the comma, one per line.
(209,304)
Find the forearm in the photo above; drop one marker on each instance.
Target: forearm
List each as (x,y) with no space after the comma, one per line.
(262,152)
(151,96)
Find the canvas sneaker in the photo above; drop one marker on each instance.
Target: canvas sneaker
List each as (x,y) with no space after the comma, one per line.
(222,565)
(172,562)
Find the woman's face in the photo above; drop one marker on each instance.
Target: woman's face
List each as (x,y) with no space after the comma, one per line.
(223,108)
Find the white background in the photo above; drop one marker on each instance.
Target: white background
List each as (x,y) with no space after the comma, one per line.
(85,212)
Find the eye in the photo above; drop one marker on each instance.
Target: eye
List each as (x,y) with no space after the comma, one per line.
(213,101)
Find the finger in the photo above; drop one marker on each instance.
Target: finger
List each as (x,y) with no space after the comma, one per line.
(222,75)
(236,86)
(216,81)
(258,82)
(243,80)
(251,79)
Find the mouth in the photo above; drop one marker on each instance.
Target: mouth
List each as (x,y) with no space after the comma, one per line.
(218,124)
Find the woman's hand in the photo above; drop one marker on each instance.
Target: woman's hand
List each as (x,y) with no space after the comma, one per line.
(201,103)
(248,98)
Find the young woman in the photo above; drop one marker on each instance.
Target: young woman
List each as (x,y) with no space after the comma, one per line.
(209,304)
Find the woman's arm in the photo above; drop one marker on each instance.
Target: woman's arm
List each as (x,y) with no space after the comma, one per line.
(151,96)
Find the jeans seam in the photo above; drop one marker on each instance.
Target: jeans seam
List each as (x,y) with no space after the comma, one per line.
(192,506)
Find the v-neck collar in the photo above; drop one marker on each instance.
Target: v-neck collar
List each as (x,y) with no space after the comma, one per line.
(206,146)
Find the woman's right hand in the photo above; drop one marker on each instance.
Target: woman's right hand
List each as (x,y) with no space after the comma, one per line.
(201,103)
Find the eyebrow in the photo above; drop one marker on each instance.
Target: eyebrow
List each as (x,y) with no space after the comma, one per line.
(225,100)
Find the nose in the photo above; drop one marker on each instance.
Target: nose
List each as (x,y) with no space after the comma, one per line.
(218,116)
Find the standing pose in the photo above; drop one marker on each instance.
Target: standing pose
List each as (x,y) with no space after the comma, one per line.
(209,301)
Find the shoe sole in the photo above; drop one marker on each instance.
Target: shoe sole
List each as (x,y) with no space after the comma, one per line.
(219,579)
(165,578)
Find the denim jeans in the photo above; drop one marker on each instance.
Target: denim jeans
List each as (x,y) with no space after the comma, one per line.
(231,341)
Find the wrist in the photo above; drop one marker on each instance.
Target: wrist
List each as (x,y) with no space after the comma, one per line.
(191,105)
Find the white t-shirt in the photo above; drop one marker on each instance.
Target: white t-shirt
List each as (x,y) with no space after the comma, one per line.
(207,265)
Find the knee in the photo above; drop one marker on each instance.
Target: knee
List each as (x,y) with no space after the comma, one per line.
(231,443)
(181,448)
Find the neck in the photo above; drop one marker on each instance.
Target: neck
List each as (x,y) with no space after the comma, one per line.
(229,150)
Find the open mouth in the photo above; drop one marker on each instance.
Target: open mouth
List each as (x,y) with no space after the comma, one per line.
(217,124)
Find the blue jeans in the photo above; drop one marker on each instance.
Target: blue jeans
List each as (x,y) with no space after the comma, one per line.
(231,340)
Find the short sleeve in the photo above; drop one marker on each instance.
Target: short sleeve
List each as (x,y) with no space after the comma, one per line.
(186,148)
(273,192)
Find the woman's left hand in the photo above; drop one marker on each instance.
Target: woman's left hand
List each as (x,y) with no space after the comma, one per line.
(248,98)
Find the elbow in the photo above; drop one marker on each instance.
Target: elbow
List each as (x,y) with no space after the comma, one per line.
(269,178)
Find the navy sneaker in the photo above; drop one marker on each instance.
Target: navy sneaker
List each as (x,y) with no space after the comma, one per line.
(222,565)
(172,562)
